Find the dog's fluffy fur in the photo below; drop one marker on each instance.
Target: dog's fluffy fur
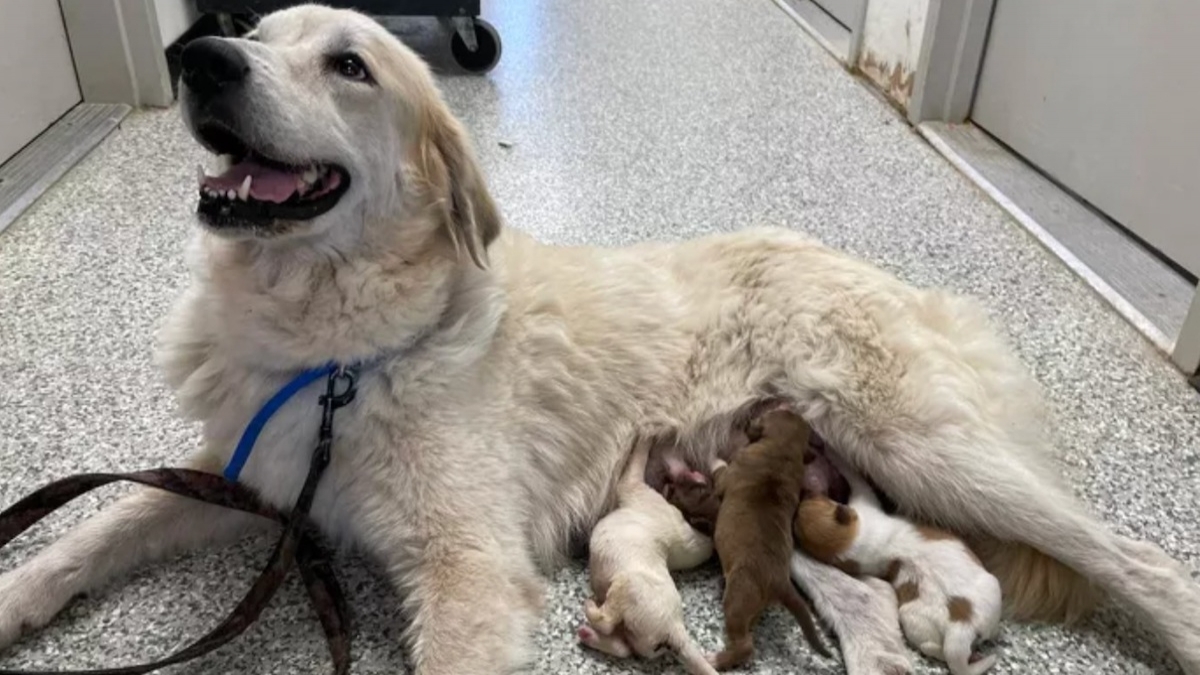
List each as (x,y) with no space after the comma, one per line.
(504,378)
(635,606)
(759,492)
(947,600)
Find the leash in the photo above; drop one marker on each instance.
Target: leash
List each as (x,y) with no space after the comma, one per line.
(300,542)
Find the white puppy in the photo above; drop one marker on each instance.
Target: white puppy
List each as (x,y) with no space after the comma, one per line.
(947,599)
(633,550)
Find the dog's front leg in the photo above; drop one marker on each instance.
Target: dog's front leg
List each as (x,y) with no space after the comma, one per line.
(476,603)
(863,614)
(146,526)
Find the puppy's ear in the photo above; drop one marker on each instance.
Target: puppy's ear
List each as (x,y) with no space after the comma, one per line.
(470,217)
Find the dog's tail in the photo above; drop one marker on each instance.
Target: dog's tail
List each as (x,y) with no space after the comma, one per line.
(1035,586)
(689,652)
(958,646)
(790,598)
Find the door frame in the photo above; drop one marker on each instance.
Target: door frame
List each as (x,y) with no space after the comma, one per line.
(952,49)
(117,49)
(1186,352)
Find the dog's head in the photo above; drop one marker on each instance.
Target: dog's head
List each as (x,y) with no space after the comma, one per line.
(326,126)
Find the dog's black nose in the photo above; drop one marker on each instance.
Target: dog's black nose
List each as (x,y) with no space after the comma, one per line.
(210,65)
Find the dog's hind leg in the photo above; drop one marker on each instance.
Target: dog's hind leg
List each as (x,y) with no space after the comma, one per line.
(967,477)
(862,613)
(146,526)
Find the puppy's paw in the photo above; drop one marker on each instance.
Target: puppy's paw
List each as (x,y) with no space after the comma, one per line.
(613,645)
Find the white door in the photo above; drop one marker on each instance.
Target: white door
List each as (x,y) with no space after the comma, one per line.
(37,79)
(1104,96)
(845,11)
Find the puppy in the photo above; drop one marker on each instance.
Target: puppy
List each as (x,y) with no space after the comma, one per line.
(690,492)
(947,599)
(821,477)
(759,493)
(632,552)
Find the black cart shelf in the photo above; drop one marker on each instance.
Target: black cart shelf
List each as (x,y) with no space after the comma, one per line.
(474,42)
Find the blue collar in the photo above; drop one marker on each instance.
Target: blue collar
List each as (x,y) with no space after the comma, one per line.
(250,436)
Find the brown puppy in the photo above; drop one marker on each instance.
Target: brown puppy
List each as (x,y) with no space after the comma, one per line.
(759,494)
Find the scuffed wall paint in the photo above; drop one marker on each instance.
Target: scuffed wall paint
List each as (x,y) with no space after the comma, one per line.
(891,45)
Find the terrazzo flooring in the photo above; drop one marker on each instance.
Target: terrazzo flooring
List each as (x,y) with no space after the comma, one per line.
(623,122)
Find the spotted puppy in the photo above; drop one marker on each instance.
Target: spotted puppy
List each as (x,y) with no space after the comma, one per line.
(947,599)
(636,607)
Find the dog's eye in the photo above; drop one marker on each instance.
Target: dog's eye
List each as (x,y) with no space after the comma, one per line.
(351,67)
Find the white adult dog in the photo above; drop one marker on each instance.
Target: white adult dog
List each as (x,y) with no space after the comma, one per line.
(503,379)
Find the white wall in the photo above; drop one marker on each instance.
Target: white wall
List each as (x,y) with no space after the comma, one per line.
(174,18)
(891,45)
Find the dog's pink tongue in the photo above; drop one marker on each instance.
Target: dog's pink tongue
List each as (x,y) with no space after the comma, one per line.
(266,184)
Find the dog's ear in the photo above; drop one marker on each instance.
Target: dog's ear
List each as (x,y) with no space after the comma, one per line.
(470,217)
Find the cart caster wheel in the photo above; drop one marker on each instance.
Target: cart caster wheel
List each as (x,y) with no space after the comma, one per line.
(486,54)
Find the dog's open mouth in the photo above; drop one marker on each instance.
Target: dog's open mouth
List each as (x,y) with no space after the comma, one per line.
(252,188)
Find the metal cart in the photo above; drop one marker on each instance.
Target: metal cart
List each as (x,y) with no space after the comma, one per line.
(474,43)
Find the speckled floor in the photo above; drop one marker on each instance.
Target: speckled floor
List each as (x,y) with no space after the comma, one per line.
(626,121)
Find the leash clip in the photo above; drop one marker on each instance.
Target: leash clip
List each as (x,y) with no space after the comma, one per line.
(340,390)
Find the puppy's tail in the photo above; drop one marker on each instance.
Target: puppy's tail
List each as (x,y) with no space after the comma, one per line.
(689,652)
(1035,586)
(790,598)
(957,648)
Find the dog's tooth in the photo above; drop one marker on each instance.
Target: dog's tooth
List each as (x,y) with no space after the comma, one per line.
(200,175)
(230,194)
(244,191)
(309,175)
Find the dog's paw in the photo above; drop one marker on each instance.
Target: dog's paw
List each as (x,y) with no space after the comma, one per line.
(24,606)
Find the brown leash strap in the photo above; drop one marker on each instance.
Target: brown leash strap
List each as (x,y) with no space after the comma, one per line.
(299,543)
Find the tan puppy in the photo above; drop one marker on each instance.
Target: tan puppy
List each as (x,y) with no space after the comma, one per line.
(759,493)
(633,550)
(947,600)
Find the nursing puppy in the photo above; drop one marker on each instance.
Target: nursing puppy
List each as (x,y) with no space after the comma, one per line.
(759,492)
(632,552)
(502,377)
(947,600)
